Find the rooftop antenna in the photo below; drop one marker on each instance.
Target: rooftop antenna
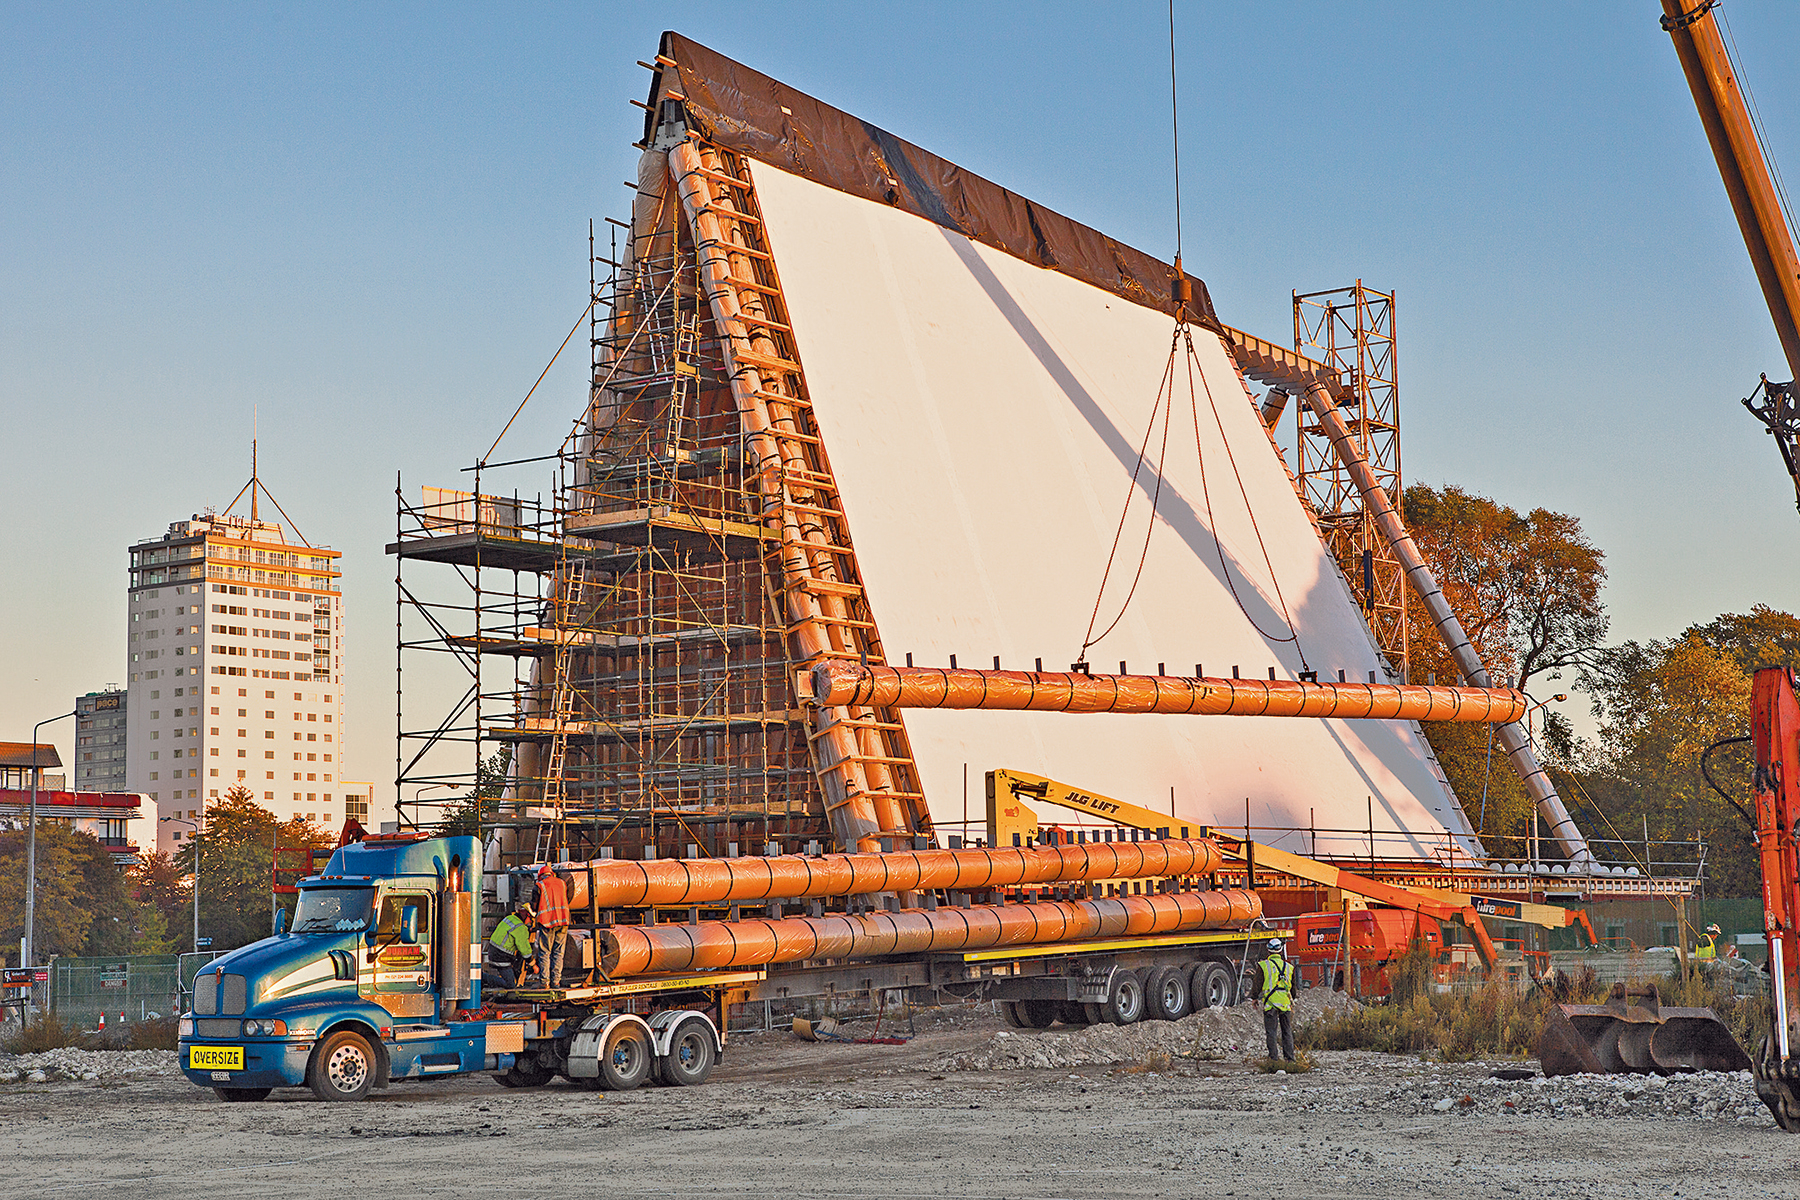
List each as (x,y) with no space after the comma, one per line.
(254,484)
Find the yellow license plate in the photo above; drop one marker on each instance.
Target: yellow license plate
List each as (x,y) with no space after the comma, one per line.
(216,1058)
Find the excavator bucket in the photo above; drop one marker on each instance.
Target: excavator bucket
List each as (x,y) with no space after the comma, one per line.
(1633,1033)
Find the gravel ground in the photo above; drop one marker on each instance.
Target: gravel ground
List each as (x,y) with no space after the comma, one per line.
(782,1117)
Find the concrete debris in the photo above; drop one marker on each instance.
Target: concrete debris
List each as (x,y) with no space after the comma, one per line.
(70,1063)
(1214,1033)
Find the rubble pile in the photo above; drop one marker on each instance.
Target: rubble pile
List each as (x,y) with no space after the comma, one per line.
(1211,1033)
(70,1063)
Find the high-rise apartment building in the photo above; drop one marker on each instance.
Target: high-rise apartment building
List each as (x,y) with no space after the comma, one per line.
(235,654)
(100,741)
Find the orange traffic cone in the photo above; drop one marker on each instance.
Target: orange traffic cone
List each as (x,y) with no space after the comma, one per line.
(102,1023)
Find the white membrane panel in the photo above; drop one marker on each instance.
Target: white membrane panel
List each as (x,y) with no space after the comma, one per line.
(983,417)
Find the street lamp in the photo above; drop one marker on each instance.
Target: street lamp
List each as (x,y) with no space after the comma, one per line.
(30,959)
(196,828)
(1556,699)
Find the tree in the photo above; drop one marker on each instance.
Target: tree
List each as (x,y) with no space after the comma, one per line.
(83,904)
(155,879)
(465,815)
(1661,704)
(1763,637)
(236,854)
(1527,591)
(1527,588)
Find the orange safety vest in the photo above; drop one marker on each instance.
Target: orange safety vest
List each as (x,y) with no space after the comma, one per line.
(552,902)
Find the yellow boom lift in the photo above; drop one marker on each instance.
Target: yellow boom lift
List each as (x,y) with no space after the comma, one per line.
(1010,817)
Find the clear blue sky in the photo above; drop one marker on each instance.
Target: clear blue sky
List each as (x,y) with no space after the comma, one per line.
(368,222)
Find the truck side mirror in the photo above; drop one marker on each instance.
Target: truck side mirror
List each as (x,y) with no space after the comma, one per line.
(409,925)
(281,921)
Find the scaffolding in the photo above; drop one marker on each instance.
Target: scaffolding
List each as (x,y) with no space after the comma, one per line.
(628,648)
(1352,331)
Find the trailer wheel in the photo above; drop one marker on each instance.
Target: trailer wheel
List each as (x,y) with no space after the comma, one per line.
(626,1058)
(1125,1001)
(342,1068)
(1096,1013)
(1166,995)
(1072,1012)
(242,1095)
(690,1057)
(1037,1014)
(1009,1012)
(1209,986)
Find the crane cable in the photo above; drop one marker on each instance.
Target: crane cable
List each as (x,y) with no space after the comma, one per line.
(1165,392)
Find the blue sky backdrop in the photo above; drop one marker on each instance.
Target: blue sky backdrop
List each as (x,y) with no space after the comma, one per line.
(368,223)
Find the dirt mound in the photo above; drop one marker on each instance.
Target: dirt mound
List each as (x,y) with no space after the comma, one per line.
(1212,1033)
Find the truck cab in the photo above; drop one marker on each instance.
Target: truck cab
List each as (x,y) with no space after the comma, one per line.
(362,988)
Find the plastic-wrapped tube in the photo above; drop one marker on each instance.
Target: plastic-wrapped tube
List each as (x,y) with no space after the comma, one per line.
(625,883)
(838,682)
(639,949)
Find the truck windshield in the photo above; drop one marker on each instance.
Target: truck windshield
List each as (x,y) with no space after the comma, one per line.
(333,910)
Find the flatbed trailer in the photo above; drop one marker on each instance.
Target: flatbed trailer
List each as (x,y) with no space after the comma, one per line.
(379,983)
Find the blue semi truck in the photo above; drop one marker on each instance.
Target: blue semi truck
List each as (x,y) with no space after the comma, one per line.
(378,979)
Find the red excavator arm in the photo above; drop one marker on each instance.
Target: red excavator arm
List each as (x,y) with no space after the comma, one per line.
(1775,733)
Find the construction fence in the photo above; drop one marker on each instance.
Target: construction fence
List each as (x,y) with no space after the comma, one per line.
(126,988)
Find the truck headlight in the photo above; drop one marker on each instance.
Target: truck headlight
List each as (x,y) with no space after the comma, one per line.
(184,1027)
(265,1028)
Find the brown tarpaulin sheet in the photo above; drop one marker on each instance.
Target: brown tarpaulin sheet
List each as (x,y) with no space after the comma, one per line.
(746,111)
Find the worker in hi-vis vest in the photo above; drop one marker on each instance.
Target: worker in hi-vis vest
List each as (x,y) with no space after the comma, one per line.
(1275,985)
(1707,950)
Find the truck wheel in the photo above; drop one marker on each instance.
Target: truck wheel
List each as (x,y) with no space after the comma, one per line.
(626,1058)
(242,1095)
(342,1067)
(690,1057)
(1125,1001)
(1166,995)
(1036,1014)
(1009,1012)
(1072,1012)
(1209,986)
(1095,1013)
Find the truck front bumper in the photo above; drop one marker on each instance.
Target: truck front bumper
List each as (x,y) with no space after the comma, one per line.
(270,1063)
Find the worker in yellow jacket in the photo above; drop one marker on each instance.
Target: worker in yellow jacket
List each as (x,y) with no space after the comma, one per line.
(1275,985)
(1707,950)
(509,949)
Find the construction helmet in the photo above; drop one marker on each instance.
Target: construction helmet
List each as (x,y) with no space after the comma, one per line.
(1275,943)
(1714,929)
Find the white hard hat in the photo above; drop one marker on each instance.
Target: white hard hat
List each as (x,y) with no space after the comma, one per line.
(1274,943)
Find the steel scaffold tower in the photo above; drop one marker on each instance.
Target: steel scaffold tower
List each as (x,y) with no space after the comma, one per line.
(1352,331)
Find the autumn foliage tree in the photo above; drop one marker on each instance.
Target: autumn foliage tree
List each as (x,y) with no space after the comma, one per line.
(1527,589)
(1661,704)
(236,854)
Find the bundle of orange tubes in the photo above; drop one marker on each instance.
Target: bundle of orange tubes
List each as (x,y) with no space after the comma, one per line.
(638,949)
(625,883)
(837,683)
